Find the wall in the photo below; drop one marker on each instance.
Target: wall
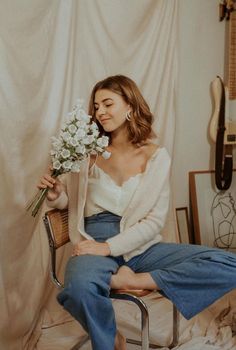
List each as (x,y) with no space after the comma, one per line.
(201,58)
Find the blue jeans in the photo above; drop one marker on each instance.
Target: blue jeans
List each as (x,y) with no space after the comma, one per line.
(191,276)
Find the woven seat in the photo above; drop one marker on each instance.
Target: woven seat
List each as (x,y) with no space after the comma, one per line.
(56,224)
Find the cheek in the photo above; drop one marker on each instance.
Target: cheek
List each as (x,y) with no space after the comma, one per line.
(122,118)
(118,114)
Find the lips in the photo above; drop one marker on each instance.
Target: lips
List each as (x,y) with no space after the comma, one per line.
(103,120)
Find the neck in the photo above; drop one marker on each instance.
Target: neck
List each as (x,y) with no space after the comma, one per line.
(120,141)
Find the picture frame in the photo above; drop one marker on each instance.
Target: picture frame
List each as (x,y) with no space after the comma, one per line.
(213,211)
(182,220)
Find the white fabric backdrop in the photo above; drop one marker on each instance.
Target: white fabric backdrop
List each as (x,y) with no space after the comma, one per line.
(51,53)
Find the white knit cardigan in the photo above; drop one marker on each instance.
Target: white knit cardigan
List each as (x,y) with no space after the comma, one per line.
(143,219)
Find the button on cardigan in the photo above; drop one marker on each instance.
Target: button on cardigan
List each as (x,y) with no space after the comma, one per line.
(143,219)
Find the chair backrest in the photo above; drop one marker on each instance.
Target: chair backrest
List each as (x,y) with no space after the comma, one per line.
(56,223)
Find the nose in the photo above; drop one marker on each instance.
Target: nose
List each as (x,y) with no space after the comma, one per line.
(100,111)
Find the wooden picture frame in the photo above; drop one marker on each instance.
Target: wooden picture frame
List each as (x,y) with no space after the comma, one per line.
(213,211)
(182,220)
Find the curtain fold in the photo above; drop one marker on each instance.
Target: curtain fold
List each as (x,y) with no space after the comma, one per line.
(52,53)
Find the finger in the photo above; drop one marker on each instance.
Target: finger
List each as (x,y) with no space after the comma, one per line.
(86,243)
(40,186)
(74,253)
(46,183)
(49,178)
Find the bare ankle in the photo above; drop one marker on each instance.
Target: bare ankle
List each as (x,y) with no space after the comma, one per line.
(120,341)
(123,279)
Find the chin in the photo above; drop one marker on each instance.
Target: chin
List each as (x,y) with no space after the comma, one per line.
(108,129)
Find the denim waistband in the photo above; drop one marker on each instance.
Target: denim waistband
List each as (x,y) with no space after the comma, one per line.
(104,216)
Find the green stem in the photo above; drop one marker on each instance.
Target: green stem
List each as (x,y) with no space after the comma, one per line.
(40,196)
(40,201)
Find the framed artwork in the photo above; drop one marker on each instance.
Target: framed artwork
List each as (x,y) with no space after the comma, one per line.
(183,224)
(213,211)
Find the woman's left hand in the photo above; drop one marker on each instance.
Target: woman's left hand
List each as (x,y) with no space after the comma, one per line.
(91,247)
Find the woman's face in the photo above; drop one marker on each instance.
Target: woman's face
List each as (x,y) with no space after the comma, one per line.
(110,109)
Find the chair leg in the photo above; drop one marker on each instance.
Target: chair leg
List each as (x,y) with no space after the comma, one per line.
(144,318)
(175,339)
(144,343)
(144,326)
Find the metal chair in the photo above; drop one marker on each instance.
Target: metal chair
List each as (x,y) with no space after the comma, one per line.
(56,224)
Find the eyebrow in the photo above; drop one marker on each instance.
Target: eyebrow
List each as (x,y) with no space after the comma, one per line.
(105,99)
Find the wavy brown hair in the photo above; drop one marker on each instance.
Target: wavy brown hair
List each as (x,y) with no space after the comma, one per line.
(140,126)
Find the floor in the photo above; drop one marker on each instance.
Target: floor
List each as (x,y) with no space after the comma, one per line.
(87,346)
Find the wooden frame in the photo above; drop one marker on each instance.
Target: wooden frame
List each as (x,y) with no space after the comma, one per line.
(213,211)
(183,224)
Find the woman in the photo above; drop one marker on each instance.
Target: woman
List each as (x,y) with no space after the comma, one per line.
(117,209)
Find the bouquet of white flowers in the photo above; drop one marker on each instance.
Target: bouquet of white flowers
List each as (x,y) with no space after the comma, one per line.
(78,138)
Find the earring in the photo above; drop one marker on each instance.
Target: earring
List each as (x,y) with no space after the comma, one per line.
(128,116)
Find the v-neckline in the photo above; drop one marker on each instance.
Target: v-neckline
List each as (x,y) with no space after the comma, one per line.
(111,178)
(133,176)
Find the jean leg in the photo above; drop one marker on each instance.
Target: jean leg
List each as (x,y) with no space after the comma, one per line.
(86,297)
(192,276)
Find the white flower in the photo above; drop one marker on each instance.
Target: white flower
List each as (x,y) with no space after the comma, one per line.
(81,124)
(65,153)
(103,141)
(94,126)
(56,165)
(74,141)
(67,165)
(75,167)
(83,116)
(66,136)
(80,149)
(72,128)
(80,133)
(88,140)
(106,154)
(57,155)
(94,129)
(71,117)
(95,133)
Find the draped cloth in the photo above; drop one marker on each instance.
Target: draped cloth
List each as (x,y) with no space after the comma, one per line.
(53,52)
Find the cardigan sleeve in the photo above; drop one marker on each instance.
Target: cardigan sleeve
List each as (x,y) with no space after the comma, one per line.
(149,227)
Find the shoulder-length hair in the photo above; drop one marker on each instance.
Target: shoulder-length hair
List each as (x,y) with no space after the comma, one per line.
(140,125)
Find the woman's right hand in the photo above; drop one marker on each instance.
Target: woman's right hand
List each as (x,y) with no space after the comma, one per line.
(54,184)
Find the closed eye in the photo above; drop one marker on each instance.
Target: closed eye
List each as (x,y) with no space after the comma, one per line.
(96,107)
